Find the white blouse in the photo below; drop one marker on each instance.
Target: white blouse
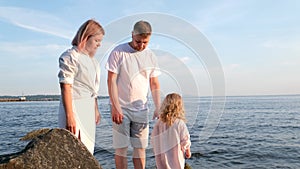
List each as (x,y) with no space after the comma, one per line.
(80,70)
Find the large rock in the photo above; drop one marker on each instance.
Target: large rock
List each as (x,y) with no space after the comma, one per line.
(51,148)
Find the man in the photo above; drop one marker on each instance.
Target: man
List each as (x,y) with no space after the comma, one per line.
(132,68)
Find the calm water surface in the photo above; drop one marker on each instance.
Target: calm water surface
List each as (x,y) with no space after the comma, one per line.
(253,131)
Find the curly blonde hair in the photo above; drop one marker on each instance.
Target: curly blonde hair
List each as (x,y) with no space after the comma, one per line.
(172,108)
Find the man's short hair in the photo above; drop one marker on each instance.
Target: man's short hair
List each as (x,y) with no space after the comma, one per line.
(142,28)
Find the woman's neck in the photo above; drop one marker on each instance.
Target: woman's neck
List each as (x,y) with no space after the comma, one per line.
(85,52)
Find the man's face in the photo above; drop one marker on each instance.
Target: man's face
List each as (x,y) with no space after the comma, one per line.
(140,42)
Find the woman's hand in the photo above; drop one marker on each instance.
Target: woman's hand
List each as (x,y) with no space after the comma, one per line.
(97,117)
(66,92)
(71,124)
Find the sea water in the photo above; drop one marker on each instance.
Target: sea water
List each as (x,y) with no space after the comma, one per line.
(251,131)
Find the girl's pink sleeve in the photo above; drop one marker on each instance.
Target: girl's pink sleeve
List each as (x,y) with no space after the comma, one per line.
(185,141)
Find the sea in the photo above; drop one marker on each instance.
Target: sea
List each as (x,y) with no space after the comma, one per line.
(259,132)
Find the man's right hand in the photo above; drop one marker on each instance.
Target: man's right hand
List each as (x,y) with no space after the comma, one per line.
(116,116)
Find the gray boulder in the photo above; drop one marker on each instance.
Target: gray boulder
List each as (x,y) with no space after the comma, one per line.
(51,149)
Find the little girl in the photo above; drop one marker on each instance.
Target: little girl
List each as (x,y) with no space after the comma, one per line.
(170,137)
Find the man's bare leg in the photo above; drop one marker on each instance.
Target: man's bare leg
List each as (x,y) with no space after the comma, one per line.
(139,159)
(121,158)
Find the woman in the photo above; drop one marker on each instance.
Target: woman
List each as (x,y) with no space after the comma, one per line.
(79,78)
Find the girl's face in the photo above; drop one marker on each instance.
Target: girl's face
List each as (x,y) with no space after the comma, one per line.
(92,44)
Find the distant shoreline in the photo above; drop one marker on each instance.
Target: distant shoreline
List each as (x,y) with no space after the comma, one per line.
(29,98)
(11,100)
(57,97)
(34,98)
(25,99)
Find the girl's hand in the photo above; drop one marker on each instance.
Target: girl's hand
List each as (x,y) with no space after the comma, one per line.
(188,153)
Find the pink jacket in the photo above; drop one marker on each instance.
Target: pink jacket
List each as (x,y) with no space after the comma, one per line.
(169,144)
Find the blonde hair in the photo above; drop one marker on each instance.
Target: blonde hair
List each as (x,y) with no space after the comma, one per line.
(172,108)
(87,30)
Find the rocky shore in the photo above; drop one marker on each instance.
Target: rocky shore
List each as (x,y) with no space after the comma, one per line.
(50,149)
(53,149)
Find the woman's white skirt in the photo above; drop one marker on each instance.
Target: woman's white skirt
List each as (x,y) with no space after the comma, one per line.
(84,110)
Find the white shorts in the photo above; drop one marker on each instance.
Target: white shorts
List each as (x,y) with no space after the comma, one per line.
(134,129)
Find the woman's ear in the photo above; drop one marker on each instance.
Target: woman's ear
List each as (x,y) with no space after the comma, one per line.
(81,45)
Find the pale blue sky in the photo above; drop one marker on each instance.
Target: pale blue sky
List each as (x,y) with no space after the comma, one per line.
(257,42)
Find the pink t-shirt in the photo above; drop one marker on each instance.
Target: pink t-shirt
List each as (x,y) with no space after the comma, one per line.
(169,144)
(134,69)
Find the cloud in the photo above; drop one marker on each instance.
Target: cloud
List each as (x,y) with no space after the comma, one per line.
(155,46)
(232,67)
(185,59)
(218,14)
(281,44)
(36,21)
(23,51)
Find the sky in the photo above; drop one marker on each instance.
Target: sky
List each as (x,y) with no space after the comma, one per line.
(204,48)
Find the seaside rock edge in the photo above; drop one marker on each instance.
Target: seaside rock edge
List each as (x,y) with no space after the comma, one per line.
(50,148)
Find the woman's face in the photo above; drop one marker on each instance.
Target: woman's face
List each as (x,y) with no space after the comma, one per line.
(92,44)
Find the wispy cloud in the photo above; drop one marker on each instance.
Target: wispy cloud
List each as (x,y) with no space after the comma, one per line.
(231,67)
(36,21)
(21,50)
(281,44)
(217,14)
